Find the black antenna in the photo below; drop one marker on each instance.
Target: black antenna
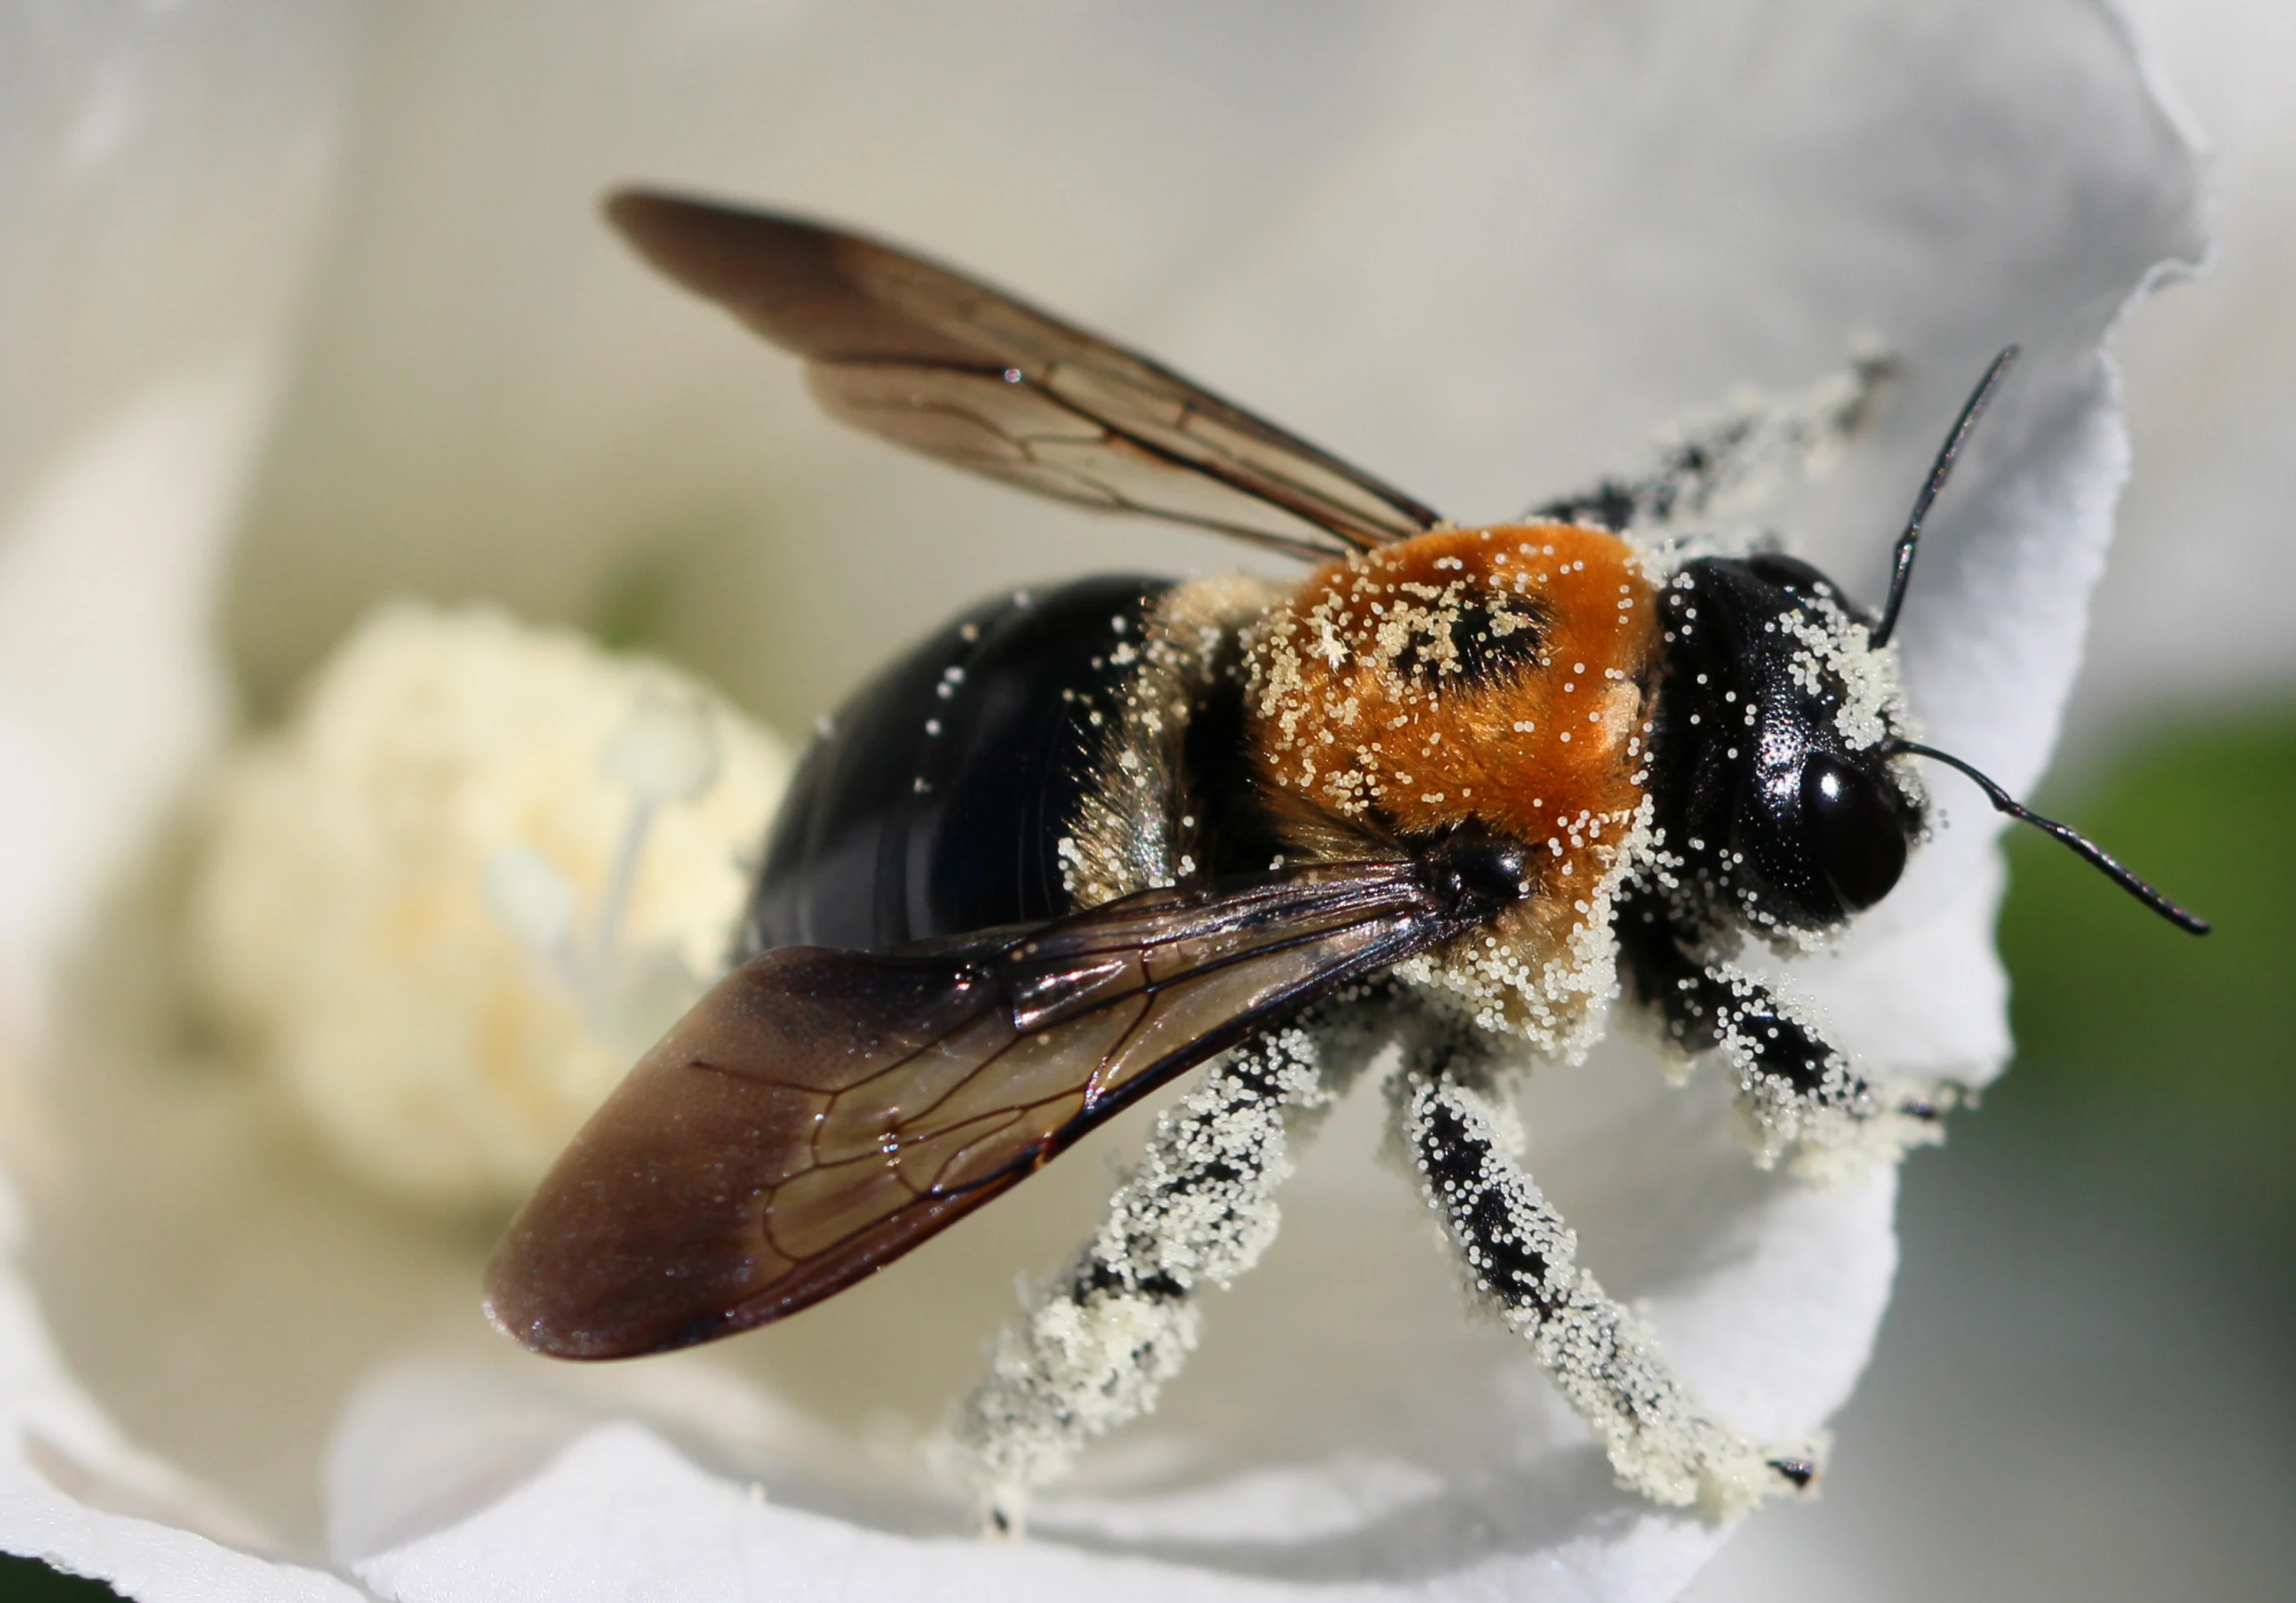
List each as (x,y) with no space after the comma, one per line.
(1942,468)
(2081,843)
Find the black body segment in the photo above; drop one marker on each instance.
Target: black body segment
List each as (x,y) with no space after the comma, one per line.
(935,800)
(1776,818)
(1702,1010)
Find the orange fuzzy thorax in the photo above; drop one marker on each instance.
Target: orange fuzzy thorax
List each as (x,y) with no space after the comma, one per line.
(1499,675)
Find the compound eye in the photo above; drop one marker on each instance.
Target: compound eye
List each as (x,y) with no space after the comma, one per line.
(1859,838)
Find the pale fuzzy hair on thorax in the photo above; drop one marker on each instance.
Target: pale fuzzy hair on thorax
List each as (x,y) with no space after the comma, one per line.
(1129,834)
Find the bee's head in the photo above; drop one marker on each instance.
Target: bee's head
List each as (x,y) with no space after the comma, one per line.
(1779,763)
(1773,768)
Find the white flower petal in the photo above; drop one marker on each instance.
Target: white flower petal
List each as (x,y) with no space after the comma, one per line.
(165,174)
(108,682)
(1485,254)
(72,1491)
(2192,610)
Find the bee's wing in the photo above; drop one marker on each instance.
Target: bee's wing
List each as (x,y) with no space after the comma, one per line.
(934,361)
(820,1112)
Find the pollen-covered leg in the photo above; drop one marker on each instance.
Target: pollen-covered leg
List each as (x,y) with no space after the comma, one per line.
(1796,1091)
(1522,1261)
(1729,458)
(1122,1319)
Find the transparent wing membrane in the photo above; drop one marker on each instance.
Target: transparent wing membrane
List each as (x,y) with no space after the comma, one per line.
(945,366)
(820,1112)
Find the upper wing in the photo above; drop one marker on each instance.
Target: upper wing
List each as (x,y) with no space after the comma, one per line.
(934,361)
(820,1112)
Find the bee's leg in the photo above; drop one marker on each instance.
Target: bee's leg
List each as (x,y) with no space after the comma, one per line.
(1122,1319)
(1522,1259)
(1729,458)
(1795,1089)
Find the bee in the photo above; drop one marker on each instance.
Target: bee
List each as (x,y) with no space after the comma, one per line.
(1452,790)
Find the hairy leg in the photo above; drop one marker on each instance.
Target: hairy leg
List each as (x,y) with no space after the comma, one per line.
(1122,1319)
(1522,1260)
(1731,458)
(1797,1090)
(1798,1094)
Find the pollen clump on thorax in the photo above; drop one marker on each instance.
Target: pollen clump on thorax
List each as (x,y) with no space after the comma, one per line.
(1495,676)
(1492,674)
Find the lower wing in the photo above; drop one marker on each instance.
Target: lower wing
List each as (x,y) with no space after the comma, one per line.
(820,1112)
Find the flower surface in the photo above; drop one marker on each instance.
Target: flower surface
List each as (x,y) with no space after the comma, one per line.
(448,903)
(1484,252)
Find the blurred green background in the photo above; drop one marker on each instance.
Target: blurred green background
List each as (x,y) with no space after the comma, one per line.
(2097,1305)
(2166,1057)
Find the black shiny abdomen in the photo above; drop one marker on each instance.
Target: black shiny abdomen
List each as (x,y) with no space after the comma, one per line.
(935,800)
